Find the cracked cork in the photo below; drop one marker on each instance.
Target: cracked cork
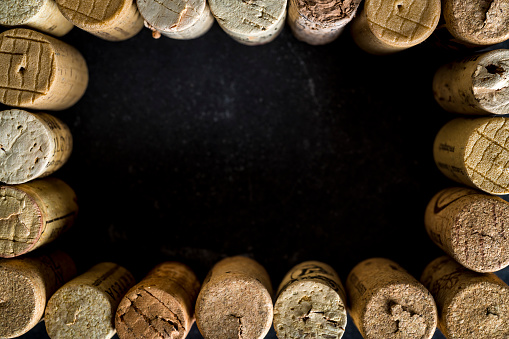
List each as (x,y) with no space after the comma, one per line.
(387,302)
(311,303)
(471,305)
(235,301)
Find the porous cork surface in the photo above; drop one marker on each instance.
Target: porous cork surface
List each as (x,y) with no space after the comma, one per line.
(171,15)
(490,81)
(18,12)
(326,12)
(92,13)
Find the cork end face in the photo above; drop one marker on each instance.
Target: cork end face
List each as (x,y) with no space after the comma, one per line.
(18,12)
(171,16)
(329,13)
(92,14)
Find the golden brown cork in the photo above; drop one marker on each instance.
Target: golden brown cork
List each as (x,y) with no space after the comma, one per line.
(235,301)
(159,306)
(25,286)
(311,303)
(34,214)
(387,302)
(471,305)
(40,72)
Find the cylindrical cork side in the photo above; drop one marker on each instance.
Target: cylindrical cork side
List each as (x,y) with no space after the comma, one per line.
(159,306)
(471,305)
(387,302)
(235,301)
(311,303)
(388,26)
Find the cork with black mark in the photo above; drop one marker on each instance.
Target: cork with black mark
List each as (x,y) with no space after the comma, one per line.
(235,301)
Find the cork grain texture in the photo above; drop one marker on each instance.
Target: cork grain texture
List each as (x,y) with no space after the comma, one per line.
(172,15)
(328,12)
(18,12)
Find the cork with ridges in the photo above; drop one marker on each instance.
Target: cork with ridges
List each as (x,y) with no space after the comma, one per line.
(388,26)
(112,20)
(476,85)
(471,305)
(26,284)
(235,301)
(250,22)
(387,302)
(311,303)
(42,15)
(39,71)
(475,152)
(85,306)
(34,214)
(159,306)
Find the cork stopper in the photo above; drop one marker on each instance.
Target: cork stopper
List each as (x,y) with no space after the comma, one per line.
(235,301)
(311,303)
(471,305)
(387,302)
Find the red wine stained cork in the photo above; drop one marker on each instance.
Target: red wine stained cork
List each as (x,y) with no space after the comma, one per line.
(25,286)
(471,305)
(34,214)
(39,71)
(235,301)
(112,20)
(475,152)
(387,302)
(475,85)
(31,145)
(159,306)
(387,26)
(311,303)
(472,227)
(85,306)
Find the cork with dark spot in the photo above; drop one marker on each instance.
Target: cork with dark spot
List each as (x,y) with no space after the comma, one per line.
(387,302)
(159,306)
(471,305)
(235,301)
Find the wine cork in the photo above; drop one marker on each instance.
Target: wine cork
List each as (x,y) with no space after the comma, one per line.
(177,19)
(471,305)
(113,20)
(159,306)
(39,71)
(311,303)
(388,26)
(320,22)
(250,22)
(31,145)
(42,15)
(474,152)
(475,85)
(85,306)
(235,301)
(25,286)
(387,302)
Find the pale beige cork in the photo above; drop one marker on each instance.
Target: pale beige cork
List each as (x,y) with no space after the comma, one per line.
(34,214)
(387,302)
(388,26)
(85,306)
(39,71)
(475,152)
(112,20)
(311,303)
(235,301)
(250,22)
(25,286)
(470,305)
(159,306)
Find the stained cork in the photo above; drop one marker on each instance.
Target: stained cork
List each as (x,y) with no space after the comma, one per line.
(25,286)
(311,303)
(387,302)
(471,305)
(235,301)
(113,20)
(250,22)
(159,306)
(474,152)
(34,214)
(85,306)
(40,72)
(388,26)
